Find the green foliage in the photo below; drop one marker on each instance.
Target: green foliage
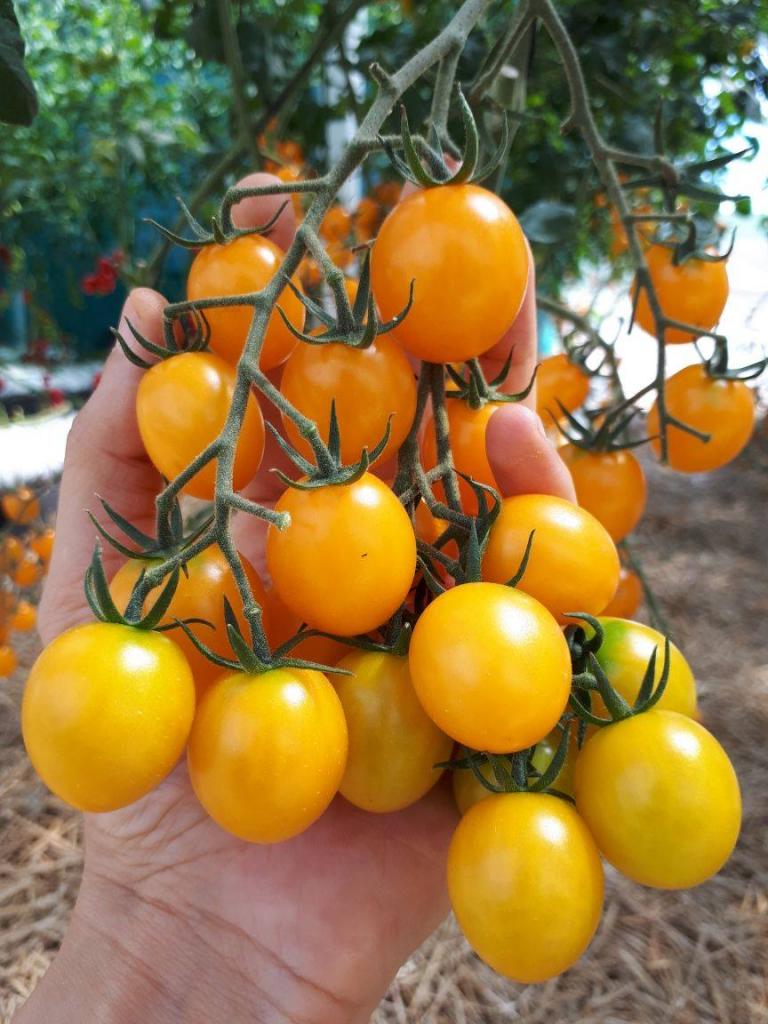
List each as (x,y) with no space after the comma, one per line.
(18,102)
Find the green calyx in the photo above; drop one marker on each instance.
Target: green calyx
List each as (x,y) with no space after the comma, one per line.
(423,162)
(195,334)
(217,234)
(717,364)
(104,608)
(171,539)
(589,677)
(472,387)
(611,435)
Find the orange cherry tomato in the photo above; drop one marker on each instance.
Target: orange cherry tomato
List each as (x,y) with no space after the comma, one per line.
(610,485)
(290,151)
(244,265)
(466,429)
(490,666)
(367,385)
(42,545)
(466,253)
(182,404)
(628,596)
(200,594)
(291,172)
(336,225)
(12,551)
(8,661)
(28,571)
(24,618)
(724,409)
(282,624)
(573,564)
(694,292)
(347,561)
(21,506)
(558,380)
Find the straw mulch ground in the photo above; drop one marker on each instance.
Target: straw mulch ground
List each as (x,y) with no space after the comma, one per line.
(699,957)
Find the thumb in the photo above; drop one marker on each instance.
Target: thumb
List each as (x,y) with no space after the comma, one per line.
(523,459)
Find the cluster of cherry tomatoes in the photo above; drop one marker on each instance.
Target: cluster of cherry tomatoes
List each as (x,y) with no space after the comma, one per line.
(25,551)
(484,675)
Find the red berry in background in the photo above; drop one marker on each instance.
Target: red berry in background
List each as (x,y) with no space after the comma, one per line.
(96,380)
(55,396)
(5,256)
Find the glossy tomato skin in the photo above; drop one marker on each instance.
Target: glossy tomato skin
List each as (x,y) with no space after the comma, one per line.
(367,385)
(106,713)
(466,427)
(267,753)
(559,382)
(466,253)
(244,265)
(724,409)
(610,485)
(347,561)
(661,798)
(695,292)
(393,744)
(526,884)
(490,666)
(628,596)
(199,594)
(624,654)
(181,405)
(573,564)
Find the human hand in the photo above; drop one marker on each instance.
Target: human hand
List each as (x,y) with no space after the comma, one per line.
(178,920)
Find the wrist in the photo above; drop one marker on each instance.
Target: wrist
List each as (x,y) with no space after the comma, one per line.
(126,959)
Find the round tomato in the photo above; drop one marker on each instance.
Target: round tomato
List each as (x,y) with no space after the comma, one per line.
(466,429)
(336,225)
(21,506)
(367,386)
(661,799)
(106,713)
(628,596)
(610,485)
(267,753)
(694,292)
(526,884)
(239,267)
(282,624)
(724,409)
(28,571)
(393,744)
(42,545)
(466,254)
(199,594)
(182,404)
(8,661)
(490,666)
(558,380)
(347,561)
(573,564)
(24,617)
(624,654)
(12,552)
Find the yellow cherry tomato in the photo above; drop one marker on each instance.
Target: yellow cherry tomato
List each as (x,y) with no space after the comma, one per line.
(559,382)
(21,506)
(267,753)
(526,884)
(573,564)
(610,485)
(24,617)
(490,666)
(8,661)
(661,798)
(693,292)
(628,596)
(106,714)
(393,744)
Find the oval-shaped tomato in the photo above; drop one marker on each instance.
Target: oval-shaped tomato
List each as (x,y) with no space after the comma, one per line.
(526,884)
(610,485)
(244,265)
(182,405)
(106,713)
(466,253)
(42,545)
(628,596)
(267,753)
(559,382)
(28,571)
(490,666)
(347,561)
(573,564)
(12,552)
(624,654)
(199,594)
(724,409)
(21,506)
(368,387)
(661,799)
(393,744)
(24,617)
(693,292)
(8,661)
(466,429)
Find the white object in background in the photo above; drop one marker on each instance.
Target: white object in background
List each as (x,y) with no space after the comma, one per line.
(33,448)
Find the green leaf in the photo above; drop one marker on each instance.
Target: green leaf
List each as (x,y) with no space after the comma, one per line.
(18,99)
